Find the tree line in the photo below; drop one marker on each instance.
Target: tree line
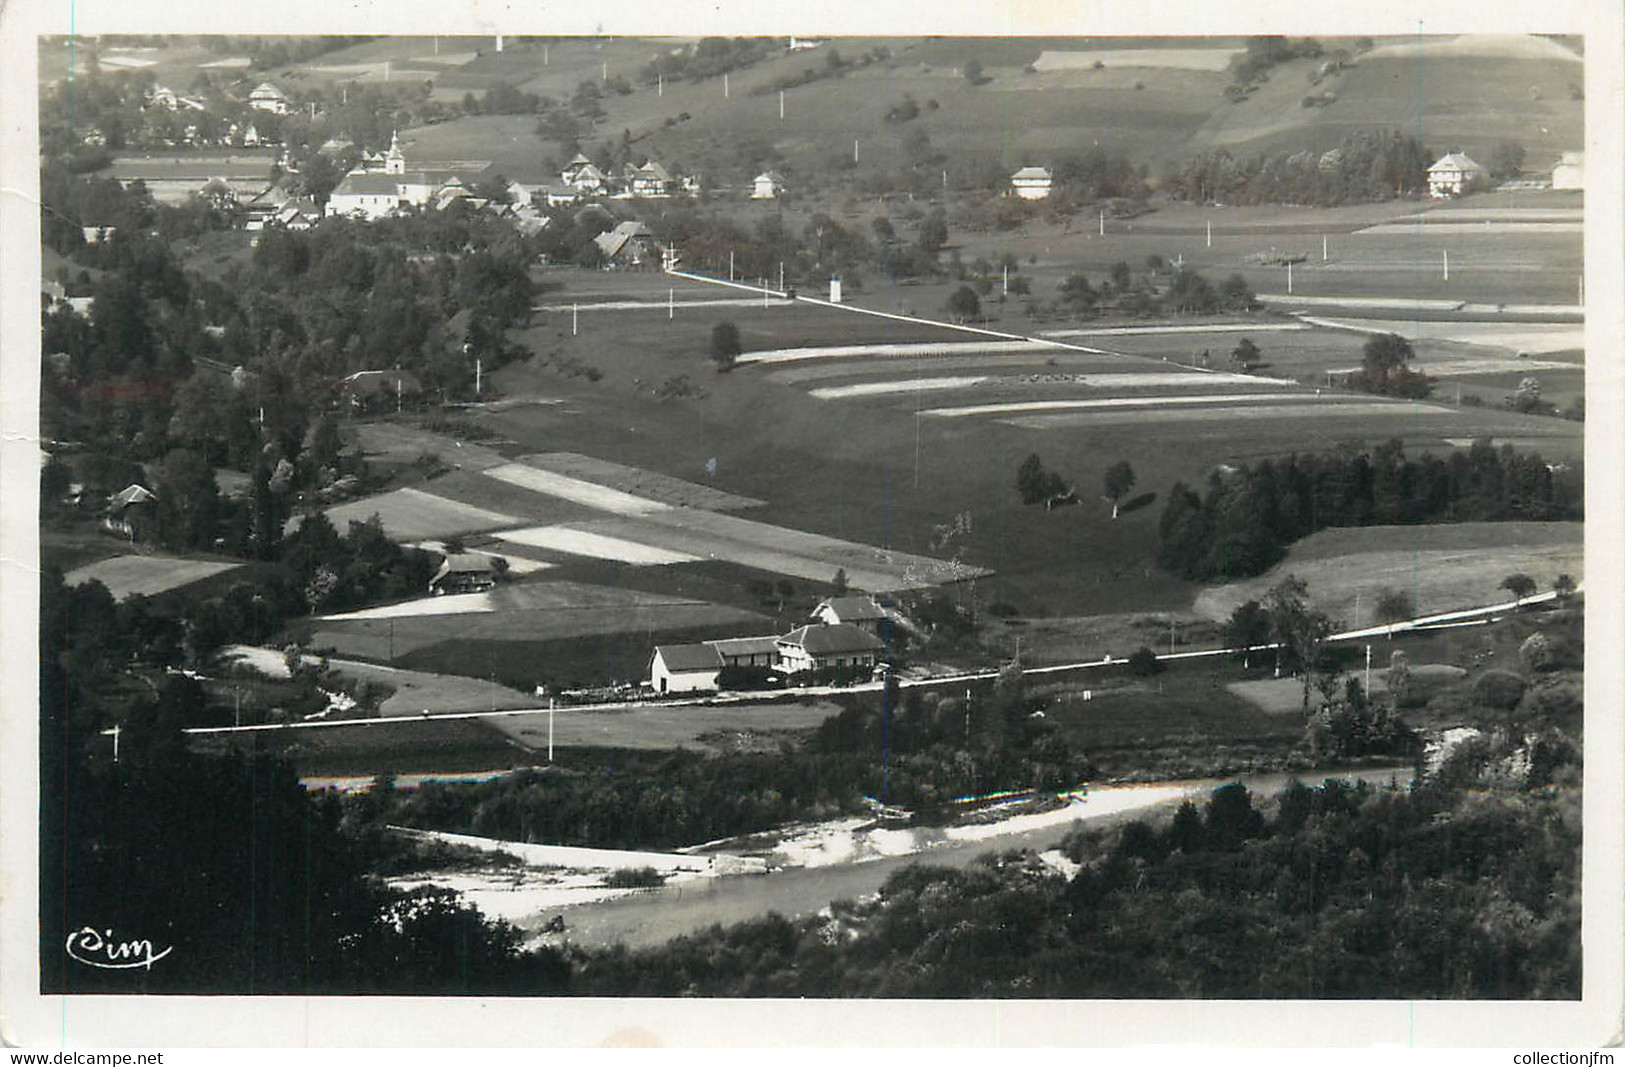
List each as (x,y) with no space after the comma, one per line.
(916,751)
(1248,516)
(1365,166)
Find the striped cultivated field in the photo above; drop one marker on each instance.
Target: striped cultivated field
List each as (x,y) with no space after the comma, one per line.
(901,351)
(579,541)
(414,515)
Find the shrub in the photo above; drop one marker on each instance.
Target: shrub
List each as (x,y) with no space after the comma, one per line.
(1143,663)
(1554,702)
(1003,609)
(635,878)
(1500,690)
(1536,653)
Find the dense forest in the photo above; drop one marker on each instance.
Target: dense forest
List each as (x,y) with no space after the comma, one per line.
(1250,514)
(1365,166)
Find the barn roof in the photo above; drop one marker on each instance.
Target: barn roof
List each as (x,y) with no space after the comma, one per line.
(745,646)
(688,657)
(825,640)
(853,608)
(1454,161)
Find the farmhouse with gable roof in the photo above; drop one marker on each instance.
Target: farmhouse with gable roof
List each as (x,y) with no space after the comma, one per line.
(1031,183)
(1452,175)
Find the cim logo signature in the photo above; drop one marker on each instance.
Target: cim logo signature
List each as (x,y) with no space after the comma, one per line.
(98,948)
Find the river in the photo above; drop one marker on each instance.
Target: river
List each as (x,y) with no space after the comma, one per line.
(657,916)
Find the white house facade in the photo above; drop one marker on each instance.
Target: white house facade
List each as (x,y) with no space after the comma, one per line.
(1031,183)
(1570,173)
(767,185)
(1451,175)
(812,648)
(684,668)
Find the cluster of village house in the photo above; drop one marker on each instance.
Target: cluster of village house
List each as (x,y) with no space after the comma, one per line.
(843,632)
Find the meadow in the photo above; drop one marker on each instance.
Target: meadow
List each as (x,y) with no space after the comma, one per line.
(1441,568)
(147,575)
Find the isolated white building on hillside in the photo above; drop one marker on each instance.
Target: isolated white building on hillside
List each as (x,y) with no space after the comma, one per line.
(1452,174)
(268,97)
(767,185)
(1031,183)
(1570,173)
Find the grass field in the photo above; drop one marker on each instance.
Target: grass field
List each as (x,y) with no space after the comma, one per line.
(729,728)
(126,576)
(535,611)
(648,485)
(889,479)
(412,515)
(429,745)
(1442,568)
(399,443)
(1177,724)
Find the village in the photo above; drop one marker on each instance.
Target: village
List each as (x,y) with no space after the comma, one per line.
(582,470)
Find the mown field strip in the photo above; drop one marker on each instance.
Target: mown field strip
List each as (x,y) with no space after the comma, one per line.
(1374,303)
(781,550)
(816,371)
(1522,336)
(1455,368)
(454,604)
(1204,59)
(577,542)
(1430,265)
(867,568)
(898,350)
(1211,327)
(1143,416)
(661,305)
(413,515)
(1485,226)
(1143,402)
(645,484)
(575,490)
(126,576)
(910,385)
(1499,214)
